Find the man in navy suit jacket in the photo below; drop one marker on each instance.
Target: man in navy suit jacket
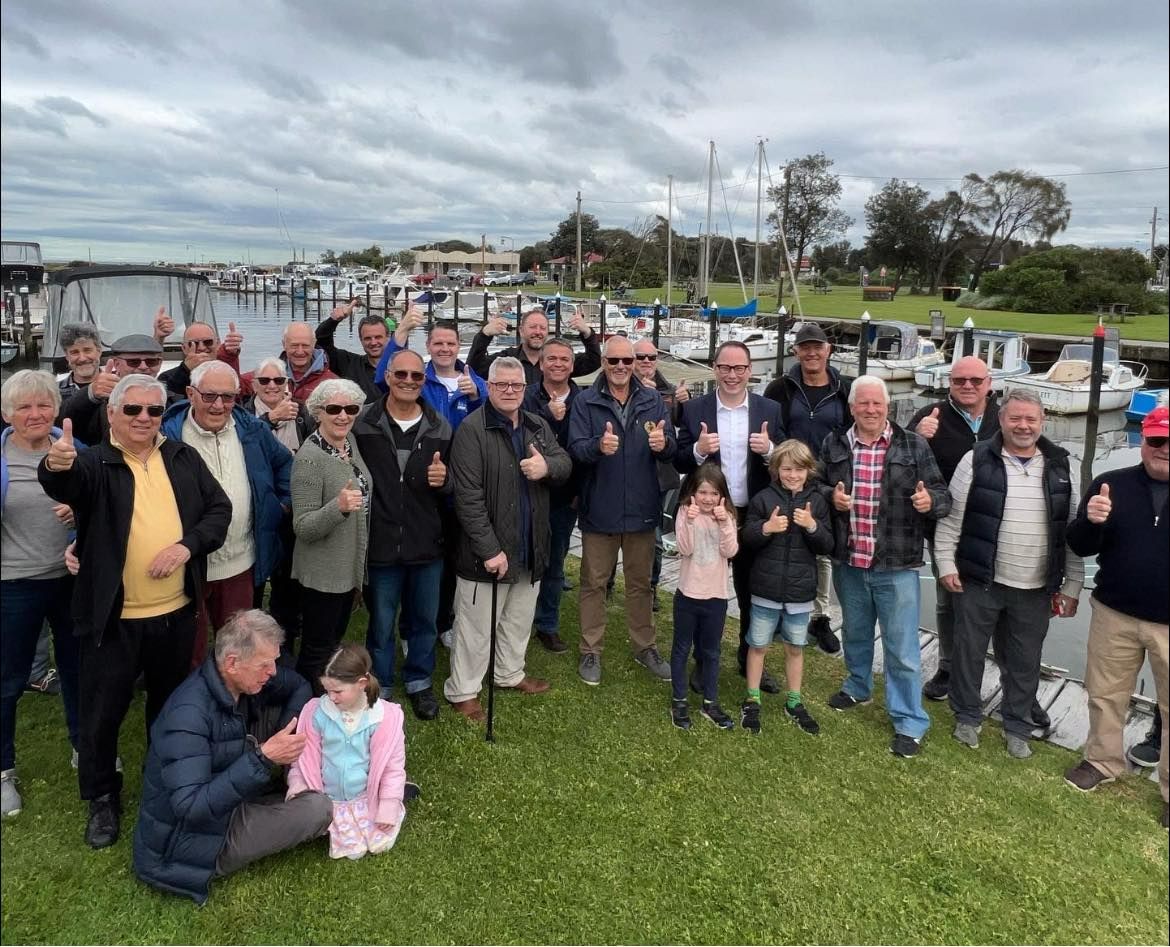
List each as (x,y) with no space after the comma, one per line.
(736,430)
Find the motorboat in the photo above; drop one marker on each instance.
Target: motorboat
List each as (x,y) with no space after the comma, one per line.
(1143,401)
(695,345)
(1006,355)
(896,351)
(1064,388)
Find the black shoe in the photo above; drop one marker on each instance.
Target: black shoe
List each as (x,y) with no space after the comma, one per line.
(1040,718)
(749,716)
(1148,752)
(843,701)
(410,791)
(104,822)
(567,586)
(803,719)
(938,687)
(551,641)
(50,684)
(768,684)
(713,712)
(424,705)
(905,746)
(680,714)
(822,632)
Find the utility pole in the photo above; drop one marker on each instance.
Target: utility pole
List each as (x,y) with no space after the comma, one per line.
(483,254)
(669,237)
(1153,233)
(578,241)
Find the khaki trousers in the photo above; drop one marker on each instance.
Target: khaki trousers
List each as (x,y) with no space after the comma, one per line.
(515,604)
(599,554)
(824,585)
(1118,645)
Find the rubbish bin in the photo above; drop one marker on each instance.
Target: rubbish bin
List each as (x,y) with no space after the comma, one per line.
(951,293)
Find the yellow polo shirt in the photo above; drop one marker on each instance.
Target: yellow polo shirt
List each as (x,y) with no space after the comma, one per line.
(154,525)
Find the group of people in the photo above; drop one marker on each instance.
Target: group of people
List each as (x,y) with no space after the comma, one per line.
(169,507)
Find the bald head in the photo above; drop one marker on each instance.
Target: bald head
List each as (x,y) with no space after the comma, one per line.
(619,346)
(618,365)
(970,385)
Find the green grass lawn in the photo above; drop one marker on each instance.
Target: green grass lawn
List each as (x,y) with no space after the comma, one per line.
(592,820)
(845,302)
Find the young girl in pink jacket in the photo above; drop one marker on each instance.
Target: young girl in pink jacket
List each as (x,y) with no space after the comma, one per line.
(355,754)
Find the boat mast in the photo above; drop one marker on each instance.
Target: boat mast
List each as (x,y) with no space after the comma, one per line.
(669,238)
(705,290)
(759,198)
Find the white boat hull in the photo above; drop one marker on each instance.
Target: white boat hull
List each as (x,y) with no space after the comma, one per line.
(884,368)
(1074,399)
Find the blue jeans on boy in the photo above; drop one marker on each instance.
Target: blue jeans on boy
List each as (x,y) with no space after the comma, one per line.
(561,520)
(697,621)
(25,605)
(871,597)
(417,588)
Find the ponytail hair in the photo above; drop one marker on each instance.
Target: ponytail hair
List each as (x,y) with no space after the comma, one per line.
(349,664)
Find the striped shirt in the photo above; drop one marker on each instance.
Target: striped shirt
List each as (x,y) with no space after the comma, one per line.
(868,462)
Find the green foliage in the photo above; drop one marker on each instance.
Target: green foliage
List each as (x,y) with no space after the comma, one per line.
(404,258)
(449,246)
(1072,279)
(372,257)
(832,275)
(564,241)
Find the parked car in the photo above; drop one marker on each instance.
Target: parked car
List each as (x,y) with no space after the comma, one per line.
(522,279)
(460,274)
(423,279)
(497,278)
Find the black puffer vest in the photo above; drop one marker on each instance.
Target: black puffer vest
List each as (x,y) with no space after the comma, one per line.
(979,539)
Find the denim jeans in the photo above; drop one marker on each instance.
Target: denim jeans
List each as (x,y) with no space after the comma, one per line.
(561,520)
(872,597)
(417,587)
(25,605)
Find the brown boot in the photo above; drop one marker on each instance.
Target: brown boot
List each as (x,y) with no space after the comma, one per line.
(470,709)
(530,685)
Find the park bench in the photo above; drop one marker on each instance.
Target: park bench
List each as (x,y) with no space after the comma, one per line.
(877,294)
(822,288)
(1115,312)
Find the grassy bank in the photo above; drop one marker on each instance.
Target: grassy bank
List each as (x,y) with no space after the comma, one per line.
(593,820)
(845,302)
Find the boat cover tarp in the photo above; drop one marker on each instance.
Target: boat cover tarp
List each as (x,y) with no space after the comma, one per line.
(746,311)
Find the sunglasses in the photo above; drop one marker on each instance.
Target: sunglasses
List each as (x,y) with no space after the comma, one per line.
(508,385)
(403,374)
(264,380)
(133,410)
(963,382)
(646,357)
(140,361)
(1157,442)
(211,397)
(336,409)
(201,343)
(619,361)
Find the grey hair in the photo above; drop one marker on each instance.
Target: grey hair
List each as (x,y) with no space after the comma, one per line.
(273,361)
(199,372)
(292,325)
(868,380)
(617,340)
(73,332)
(28,381)
(504,361)
(149,382)
(331,388)
(1026,395)
(244,631)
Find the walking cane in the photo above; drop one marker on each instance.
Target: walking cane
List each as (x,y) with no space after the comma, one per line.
(491,738)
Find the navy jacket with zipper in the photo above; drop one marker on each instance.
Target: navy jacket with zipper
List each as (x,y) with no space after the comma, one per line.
(405,523)
(536,401)
(811,423)
(619,492)
(100,489)
(784,565)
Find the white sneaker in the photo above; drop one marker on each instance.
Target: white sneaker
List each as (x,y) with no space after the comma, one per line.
(448,638)
(10,801)
(117,762)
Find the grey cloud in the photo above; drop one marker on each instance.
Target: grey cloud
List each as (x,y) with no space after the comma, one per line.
(284,85)
(17,117)
(63,105)
(20,40)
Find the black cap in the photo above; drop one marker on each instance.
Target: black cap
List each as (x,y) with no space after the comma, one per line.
(136,344)
(810,332)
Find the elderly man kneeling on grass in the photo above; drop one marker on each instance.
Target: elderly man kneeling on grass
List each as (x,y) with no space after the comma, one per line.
(211,795)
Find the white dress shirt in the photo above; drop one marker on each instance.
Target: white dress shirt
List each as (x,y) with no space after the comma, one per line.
(734,429)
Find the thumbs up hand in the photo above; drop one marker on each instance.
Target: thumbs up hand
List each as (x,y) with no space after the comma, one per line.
(842,501)
(1099,507)
(928,426)
(657,437)
(708,442)
(62,453)
(104,381)
(164,325)
(776,523)
(466,385)
(349,498)
(609,440)
(284,747)
(436,471)
(759,442)
(720,511)
(557,408)
(682,393)
(233,340)
(692,509)
(803,517)
(495,326)
(534,466)
(921,498)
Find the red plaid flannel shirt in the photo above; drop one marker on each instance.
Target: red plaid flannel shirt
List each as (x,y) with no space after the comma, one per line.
(868,463)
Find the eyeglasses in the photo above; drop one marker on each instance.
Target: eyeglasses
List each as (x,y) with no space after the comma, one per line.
(733,369)
(201,343)
(507,385)
(1157,442)
(133,410)
(973,382)
(211,397)
(335,409)
(263,380)
(140,361)
(610,360)
(647,356)
(403,374)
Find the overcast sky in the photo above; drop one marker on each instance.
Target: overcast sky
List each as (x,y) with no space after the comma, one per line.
(135,135)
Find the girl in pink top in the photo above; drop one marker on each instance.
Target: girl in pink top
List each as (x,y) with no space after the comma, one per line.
(355,754)
(704,528)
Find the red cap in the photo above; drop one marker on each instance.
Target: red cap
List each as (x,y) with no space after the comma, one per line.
(1157,423)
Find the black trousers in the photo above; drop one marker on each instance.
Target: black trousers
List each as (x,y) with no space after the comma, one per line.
(741,575)
(324,618)
(159,649)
